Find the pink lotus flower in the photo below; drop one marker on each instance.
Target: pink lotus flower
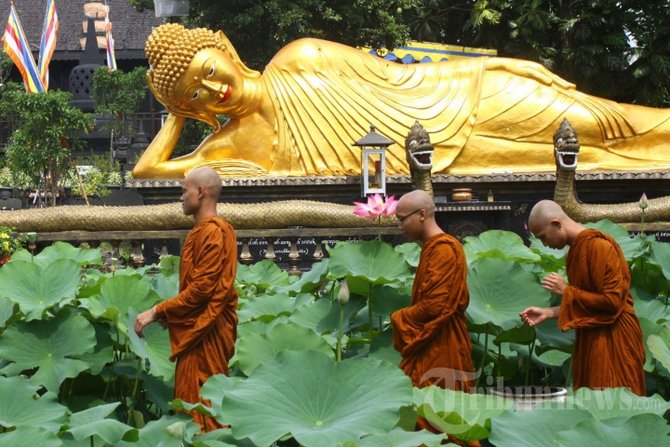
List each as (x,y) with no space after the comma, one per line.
(376,207)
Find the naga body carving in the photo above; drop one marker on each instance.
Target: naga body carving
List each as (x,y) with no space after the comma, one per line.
(169,216)
(419,154)
(566,152)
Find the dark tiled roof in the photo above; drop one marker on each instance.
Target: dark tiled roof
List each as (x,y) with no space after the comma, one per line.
(130,28)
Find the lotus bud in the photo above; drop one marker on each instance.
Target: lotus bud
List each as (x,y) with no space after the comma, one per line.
(644,203)
(343,294)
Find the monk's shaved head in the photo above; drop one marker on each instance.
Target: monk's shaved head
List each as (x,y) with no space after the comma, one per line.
(418,199)
(207,177)
(544,212)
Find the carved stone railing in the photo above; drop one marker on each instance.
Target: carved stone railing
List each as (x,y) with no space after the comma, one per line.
(294,249)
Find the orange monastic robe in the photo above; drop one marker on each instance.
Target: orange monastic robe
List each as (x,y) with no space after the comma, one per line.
(202,318)
(608,349)
(431,334)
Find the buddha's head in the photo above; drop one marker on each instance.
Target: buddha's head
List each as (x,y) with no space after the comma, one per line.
(195,72)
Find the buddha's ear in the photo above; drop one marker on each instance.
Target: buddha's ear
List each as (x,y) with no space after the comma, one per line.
(248,72)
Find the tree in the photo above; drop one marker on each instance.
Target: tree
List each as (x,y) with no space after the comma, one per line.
(46,131)
(119,94)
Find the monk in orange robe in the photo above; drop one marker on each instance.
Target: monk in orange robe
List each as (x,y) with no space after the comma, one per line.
(608,350)
(431,334)
(202,318)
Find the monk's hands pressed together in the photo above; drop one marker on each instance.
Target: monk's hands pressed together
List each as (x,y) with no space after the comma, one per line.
(143,320)
(554,283)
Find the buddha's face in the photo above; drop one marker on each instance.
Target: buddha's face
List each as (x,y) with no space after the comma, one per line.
(212,83)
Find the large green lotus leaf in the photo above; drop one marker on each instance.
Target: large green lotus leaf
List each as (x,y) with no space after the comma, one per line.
(309,396)
(650,307)
(660,254)
(467,416)
(550,334)
(551,259)
(25,408)
(153,349)
(258,349)
(535,428)
(372,261)
(553,357)
(30,436)
(616,402)
(650,328)
(51,346)
(36,288)
(219,438)
(323,315)
(386,300)
(524,335)
(411,251)
(168,431)
(169,264)
(399,438)
(267,307)
(659,346)
(309,281)
(6,310)
(117,295)
(93,422)
(382,348)
(640,430)
(499,290)
(264,274)
(103,352)
(498,244)
(632,247)
(165,286)
(62,250)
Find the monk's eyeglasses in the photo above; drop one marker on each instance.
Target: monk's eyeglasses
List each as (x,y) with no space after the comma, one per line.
(401,219)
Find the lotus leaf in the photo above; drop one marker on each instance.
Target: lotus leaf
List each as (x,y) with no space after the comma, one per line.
(323,315)
(36,288)
(169,264)
(616,402)
(499,244)
(6,310)
(382,348)
(553,357)
(466,416)
(535,428)
(309,281)
(399,438)
(386,300)
(499,290)
(660,254)
(632,247)
(165,286)
(61,250)
(373,262)
(28,409)
(93,422)
(168,431)
(263,275)
(51,346)
(117,295)
(641,430)
(551,259)
(266,307)
(153,349)
(411,251)
(103,352)
(258,349)
(549,334)
(659,345)
(309,396)
(30,436)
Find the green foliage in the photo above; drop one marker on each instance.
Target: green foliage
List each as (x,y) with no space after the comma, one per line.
(72,371)
(119,95)
(46,131)
(9,243)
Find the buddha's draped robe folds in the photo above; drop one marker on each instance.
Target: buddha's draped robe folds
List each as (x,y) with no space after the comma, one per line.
(202,318)
(608,350)
(431,334)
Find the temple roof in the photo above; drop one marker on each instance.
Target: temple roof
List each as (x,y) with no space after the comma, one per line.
(130,28)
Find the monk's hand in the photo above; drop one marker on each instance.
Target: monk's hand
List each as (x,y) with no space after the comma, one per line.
(554,283)
(535,315)
(143,320)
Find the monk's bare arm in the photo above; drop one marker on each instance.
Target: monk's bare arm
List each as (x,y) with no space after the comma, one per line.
(535,315)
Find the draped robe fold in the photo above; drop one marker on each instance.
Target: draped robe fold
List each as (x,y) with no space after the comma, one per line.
(202,318)
(431,334)
(608,350)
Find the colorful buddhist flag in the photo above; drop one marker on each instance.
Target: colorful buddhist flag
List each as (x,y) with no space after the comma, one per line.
(48,44)
(16,46)
(111,59)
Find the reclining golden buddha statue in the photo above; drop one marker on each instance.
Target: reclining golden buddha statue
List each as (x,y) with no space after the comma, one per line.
(315,98)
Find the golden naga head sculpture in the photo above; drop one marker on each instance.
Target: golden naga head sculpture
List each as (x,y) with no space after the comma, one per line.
(170,49)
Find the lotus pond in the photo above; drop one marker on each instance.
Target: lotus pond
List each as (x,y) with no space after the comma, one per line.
(73,373)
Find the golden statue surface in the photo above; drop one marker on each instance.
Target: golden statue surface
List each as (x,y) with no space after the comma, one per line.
(315,98)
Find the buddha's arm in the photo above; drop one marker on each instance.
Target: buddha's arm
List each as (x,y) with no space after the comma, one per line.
(528,69)
(155,161)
